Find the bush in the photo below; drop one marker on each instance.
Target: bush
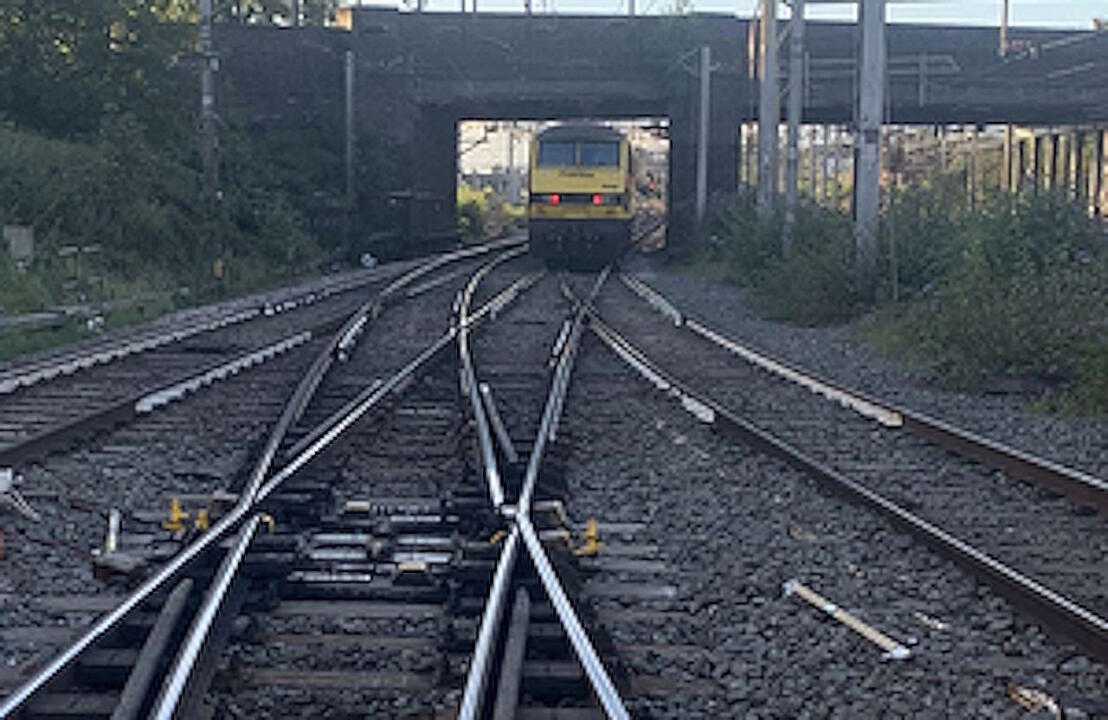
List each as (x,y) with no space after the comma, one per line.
(1012,291)
(483,213)
(815,284)
(1015,296)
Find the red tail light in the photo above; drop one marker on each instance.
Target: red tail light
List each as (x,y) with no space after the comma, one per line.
(597,199)
(555,199)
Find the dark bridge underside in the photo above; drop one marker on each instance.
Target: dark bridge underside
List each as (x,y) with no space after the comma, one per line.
(418,74)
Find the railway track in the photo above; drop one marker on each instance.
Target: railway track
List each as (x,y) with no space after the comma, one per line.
(446,524)
(55,402)
(837,443)
(533,650)
(49,365)
(558,637)
(114,635)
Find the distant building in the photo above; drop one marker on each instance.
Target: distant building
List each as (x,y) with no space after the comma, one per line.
(508,184)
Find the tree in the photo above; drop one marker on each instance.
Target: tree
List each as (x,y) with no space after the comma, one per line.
(64,65)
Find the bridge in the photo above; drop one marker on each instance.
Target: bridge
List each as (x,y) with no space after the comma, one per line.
(417,74)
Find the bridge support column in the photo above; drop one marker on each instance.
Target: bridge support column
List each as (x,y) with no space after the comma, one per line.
(722,132)
(867,153)
(434,168)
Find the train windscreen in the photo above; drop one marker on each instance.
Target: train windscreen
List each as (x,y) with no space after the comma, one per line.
(557,153)
(600,154)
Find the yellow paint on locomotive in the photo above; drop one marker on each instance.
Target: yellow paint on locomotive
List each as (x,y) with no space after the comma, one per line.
(578,180)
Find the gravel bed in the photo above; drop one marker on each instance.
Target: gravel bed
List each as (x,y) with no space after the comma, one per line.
(736,525)
(1038,534)
(196,446)
(511,355)
(837,353)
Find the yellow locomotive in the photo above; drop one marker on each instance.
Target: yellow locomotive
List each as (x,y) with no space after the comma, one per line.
(579,211)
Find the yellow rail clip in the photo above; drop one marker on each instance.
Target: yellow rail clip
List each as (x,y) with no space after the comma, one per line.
(177,517)
(591,545)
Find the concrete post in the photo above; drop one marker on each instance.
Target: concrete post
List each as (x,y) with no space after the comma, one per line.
(769,107)
(871,106)
(1077,176)
(351,190)
(1021,166)
(1055,160)
(836,169)
(796,98)
(941,132)
(702,137)
(208,142)
(1003,48)
(513,195)
(752,74)
(1037,164)
(295,13)
(1100,205)
(1008,160)
(974,164)
(813,141)
(824,141)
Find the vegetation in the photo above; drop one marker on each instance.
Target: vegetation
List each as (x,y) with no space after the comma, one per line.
(1008,293)
(483,213)
(98,148)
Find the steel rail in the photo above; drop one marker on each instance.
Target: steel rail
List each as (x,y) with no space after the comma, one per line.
(488,452)
(595,671)
(1080,487)
(199,631)
(334,426)
(502,299)
(247,499)
(522,528)
(1085,628)
(559,386)
(51,439)
(477,675)
(194,323)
